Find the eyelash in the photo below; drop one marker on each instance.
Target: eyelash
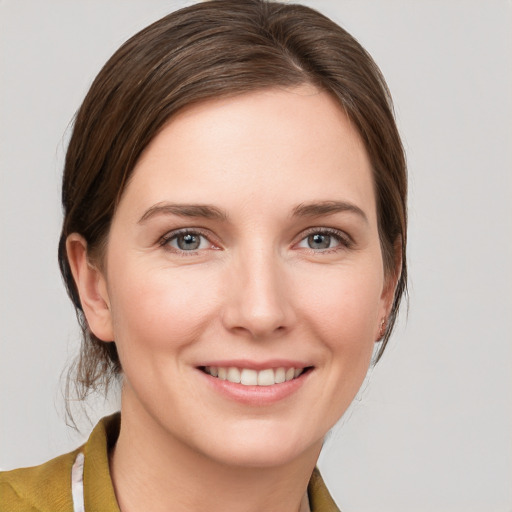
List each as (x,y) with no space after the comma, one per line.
(168,237)
(344,240)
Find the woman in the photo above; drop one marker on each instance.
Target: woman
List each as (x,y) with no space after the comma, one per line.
(234,242)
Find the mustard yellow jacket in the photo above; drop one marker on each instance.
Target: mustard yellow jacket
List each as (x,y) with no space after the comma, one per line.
(48,487)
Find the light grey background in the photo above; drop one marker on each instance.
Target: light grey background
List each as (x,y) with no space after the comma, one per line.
(431,430)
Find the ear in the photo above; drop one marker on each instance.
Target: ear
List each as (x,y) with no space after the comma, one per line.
(389,289)
(92,288)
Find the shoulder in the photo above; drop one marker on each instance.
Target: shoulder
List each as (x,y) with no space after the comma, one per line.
(40,488)
(49,488)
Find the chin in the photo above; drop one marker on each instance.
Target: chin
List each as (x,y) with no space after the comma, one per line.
(265,448)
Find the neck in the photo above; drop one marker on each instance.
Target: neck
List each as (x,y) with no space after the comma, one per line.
(151,470)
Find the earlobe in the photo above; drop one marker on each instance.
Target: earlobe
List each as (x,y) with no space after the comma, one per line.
(389,289)
(92,288)
(382,329)
(387,297)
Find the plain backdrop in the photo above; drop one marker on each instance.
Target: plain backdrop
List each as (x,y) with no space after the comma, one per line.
(431,429)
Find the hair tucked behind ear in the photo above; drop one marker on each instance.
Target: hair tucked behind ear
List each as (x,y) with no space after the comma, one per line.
(217,49)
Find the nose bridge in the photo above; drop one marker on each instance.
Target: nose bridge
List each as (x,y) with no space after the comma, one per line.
(258,301)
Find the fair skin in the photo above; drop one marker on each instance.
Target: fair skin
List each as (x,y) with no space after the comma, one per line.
(247,238)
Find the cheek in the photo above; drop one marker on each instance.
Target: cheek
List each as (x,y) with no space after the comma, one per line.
(344,304)
(339,308)
(158,309)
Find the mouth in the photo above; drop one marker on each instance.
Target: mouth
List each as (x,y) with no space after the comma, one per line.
(251,377)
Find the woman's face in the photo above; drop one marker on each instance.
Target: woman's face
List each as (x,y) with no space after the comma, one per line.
(245,247)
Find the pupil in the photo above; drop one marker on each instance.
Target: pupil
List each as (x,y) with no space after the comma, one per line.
(319,241)
(188,242)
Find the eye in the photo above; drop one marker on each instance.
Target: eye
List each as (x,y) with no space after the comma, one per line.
(186,241)
(320,241)
(324,240)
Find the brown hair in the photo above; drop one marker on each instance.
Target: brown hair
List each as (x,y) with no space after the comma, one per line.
(214,49)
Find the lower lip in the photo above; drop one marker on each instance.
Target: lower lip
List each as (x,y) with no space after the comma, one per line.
(256,395)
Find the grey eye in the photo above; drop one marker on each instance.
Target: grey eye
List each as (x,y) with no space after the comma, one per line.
(319,241)
(188,242)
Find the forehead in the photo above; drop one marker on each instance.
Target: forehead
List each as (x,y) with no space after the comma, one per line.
(275,146)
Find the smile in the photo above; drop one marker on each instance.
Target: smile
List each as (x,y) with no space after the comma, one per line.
(250,377)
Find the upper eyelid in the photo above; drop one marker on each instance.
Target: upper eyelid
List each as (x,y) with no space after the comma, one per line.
(345,241)
(169,235)
(184,231)
(327,230)
(214,239)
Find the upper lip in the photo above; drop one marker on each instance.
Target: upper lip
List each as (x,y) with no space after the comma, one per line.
(256,365)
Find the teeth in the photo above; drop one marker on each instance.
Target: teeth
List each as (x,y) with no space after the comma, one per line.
(233,375)
(266,377)
(280,375)
(249,377)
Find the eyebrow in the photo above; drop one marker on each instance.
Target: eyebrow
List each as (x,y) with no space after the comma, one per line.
(184,210)
(316,209)
(313,209)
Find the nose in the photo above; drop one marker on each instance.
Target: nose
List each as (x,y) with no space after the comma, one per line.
(258,297)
